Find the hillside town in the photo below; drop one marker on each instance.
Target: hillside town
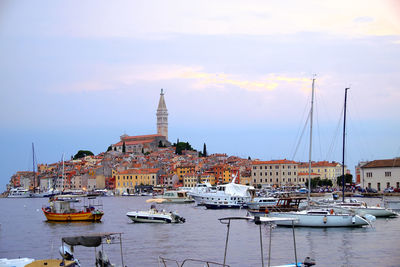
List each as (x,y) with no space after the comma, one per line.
(146,162)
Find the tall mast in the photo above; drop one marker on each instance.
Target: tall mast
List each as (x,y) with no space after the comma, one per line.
(33,167)
(344,140)
(310,150)
(62,175)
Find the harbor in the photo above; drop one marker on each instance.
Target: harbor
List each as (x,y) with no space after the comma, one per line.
(26,233)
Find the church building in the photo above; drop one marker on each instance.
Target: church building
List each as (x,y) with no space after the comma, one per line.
(147,143)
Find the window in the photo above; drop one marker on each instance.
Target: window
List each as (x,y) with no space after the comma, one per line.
(368,174)
(387,185)
(283,173)
(254,174)
(388,174)
(260,173)
(276,167)
(260,180)
(260,167)
(378,185)
(276,173)
(270,173)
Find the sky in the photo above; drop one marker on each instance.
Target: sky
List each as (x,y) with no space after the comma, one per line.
(237,76)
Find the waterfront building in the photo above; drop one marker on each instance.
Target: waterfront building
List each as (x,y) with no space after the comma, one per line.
(381,174)
(190,180)
(324,169)
(183,170)
(274,172)
(125,181)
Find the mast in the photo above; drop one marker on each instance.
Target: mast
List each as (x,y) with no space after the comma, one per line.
(33,167)
(62,175)
(310,150)
(344,140)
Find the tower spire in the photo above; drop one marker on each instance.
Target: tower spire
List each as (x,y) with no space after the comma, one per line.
(162,116)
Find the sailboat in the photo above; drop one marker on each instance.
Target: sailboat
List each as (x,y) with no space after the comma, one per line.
(320,217)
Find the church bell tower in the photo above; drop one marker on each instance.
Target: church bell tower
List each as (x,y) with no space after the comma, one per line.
(162,117)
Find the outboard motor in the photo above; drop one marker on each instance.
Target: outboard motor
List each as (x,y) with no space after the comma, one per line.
(67,253)
(308,261)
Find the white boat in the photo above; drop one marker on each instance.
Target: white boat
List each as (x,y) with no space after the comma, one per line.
(261,202)
(21,262)
(172,197)
(321,218)
(393,204)
(229,195)
(19,192)
(362,209)
(155,216)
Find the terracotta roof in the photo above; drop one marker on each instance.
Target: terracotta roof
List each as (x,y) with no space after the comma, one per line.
(388,163)
(129,143)
(139,171)
(281,161)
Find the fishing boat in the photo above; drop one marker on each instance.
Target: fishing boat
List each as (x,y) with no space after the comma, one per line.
(67,208)
(155,216)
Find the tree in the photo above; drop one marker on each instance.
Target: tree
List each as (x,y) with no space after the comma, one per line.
(123,147)
(348,179)
(182,146)
(204,150)
(82,154)
(109,148)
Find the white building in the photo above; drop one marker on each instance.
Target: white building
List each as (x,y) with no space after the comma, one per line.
(381,174)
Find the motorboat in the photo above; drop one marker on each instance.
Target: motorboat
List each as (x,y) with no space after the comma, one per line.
(283,204)
(155,216)
(66,208)
(172,196)
(19,192)
(258,202)
(200,189)
(229,195)
(321,218)
(20,262)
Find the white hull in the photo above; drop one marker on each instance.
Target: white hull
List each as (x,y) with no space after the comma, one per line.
(306,219)
(153,216)
(375,211)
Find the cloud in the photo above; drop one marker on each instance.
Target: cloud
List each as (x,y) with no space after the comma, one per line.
(124,76)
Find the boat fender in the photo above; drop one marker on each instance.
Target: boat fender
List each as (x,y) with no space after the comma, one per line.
(331,211)
(325,219)
(266,211)
(353,219)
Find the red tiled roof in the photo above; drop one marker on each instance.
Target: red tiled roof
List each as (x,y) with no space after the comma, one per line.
(388,163)
(139,171)
(281,161)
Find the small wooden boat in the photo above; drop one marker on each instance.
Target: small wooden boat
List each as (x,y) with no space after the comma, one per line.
(73,208)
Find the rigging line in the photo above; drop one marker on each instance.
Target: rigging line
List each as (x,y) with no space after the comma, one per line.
(301,136)
(317,122)
(335,136)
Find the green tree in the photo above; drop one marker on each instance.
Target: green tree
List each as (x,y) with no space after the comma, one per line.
(123,147)
(82,154)
(182,146)
(204,150)
(109,148)
(348,179)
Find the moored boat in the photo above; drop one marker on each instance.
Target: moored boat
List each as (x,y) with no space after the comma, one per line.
(155,216)
(172,197)
(19,192)
(73,208)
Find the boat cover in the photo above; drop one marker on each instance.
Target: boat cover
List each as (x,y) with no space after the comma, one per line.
(87,241)
(237,190)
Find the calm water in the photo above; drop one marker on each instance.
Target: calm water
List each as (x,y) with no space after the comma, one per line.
(25,233)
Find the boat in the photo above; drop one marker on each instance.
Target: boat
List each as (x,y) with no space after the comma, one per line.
(200,189)
(283,204)
(393,204)
(67,208)
(98,241)
(19,192)
(261,202)
(323,217)
(229,195)
(172,196)
(155,216)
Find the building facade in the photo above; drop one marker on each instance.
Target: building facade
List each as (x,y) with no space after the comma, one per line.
(381,174)
(125,181)
(323,170)
(274,172)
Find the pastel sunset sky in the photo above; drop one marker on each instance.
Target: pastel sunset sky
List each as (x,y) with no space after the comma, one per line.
(236,75)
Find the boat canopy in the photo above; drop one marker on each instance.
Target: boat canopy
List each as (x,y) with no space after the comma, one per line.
(237,190)
(92,240)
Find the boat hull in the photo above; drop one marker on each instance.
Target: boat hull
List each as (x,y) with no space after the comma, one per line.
(328,220)
(68,217)
(214,206)
(153,217)
(375,211)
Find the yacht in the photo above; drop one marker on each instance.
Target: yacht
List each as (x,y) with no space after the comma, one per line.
(172,197)
(229,195)
(261,202)
(19,192)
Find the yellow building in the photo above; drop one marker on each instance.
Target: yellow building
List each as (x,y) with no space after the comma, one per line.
(183,170)
(190,180)
(125,181)
(207,177)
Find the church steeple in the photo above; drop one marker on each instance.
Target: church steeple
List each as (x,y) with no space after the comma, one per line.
(162,116)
